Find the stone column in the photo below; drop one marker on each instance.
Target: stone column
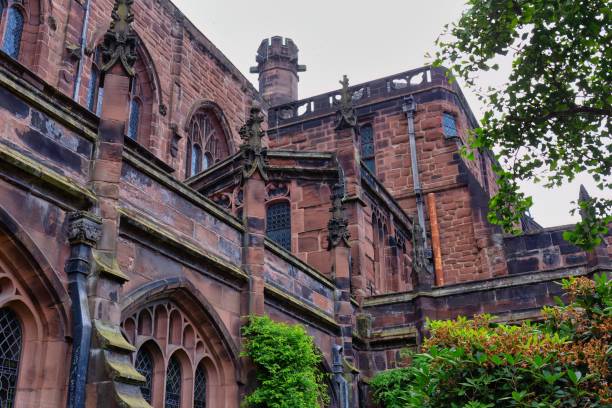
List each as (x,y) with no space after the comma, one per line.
(112,380)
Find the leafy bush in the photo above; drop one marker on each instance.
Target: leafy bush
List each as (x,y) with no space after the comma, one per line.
(563,362)
(287,365)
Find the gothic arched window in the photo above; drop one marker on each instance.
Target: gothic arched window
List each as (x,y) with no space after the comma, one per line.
(206,132)
(278,223)
(132,132)
(10,356)
(199,390)
(144,365)
(368,156)
(13,32)
(173,383)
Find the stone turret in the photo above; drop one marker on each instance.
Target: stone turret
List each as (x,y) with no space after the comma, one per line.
(277,66)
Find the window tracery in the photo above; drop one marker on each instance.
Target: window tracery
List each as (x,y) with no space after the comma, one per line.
(10,356)
(278,223)
(207,142)
(144,365)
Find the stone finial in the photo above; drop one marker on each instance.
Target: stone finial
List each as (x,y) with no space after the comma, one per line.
(584,194)
(338,225)
(253,151)
(85,228)
(120,41)
(346,116)
(421,264)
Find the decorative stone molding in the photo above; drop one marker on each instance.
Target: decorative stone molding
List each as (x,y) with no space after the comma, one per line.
(120,41)
(422,269)
(253,152)
(338,225)
(85,228)
(346,116)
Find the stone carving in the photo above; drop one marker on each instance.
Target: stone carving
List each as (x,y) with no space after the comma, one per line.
(421,265)
(338,225)
(84,228)
(346,116)
(254,153)
(120,40)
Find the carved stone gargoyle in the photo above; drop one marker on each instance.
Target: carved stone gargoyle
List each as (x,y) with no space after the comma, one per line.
(120,41)
(346,116)
(338,225)
(253,152)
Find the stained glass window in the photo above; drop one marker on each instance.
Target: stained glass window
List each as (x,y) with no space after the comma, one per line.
(199,391)
(92,89)
(144,365)
(134,119)
(368,156)
(207,161)
(196,160)
(1,7)
(449,124)
(13,32)
(173,384)
(278,224)
(10,354)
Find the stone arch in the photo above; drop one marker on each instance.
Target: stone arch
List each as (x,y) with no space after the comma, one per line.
(212,341)
(31,289)
(222,139)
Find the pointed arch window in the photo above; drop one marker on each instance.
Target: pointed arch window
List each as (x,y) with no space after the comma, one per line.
(95,90)
(135,109)
(144,365)
(10,356)
(368,154)
(206,132)
(199,390)
(173,383)
(278,223)
(13,32)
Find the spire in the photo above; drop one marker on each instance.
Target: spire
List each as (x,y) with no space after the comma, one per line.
(120,41)
(253,151)
(584,194)
(338,225)
(346,116)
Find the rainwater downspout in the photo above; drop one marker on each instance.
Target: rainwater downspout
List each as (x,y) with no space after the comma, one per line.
(409,107)
(84,231)
(79,74)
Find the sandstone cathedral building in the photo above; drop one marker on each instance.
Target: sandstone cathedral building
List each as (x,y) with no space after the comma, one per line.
(151,199)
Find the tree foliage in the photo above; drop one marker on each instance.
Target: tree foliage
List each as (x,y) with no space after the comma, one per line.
(287,363)
(565,362)
(550,121)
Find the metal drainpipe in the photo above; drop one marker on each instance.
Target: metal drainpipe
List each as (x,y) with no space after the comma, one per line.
(340,381)
(77,83)
(84,232)
(410,107)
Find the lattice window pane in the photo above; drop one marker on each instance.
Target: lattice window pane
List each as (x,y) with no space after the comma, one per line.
(173,384)
(278,224)
(196,159)
(134,119)
(450,125)
(199,390)
(13,32)
(368,152)
(10,354)
(92,89)
(144,365)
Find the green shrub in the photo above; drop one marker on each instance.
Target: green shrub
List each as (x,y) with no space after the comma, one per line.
(287,363)
(563,362)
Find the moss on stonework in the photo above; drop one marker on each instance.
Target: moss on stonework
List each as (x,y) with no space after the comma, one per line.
(123,372)
(110,337)
(130,401)
(109,267)
(46,176)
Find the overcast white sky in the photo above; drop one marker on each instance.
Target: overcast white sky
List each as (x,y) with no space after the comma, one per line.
(364,39)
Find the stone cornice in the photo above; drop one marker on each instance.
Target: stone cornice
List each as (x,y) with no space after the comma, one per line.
(145,224)
(478,286)
(40,95)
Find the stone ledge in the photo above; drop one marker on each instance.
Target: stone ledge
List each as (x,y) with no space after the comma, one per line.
(183,190)
(123,372)
(478,286)
(298,263)
(112,270)
(148,226)
(47,177)
(128,397)
(110,337)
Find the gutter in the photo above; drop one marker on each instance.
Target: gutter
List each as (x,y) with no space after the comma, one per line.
(79,74)
(83,233)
